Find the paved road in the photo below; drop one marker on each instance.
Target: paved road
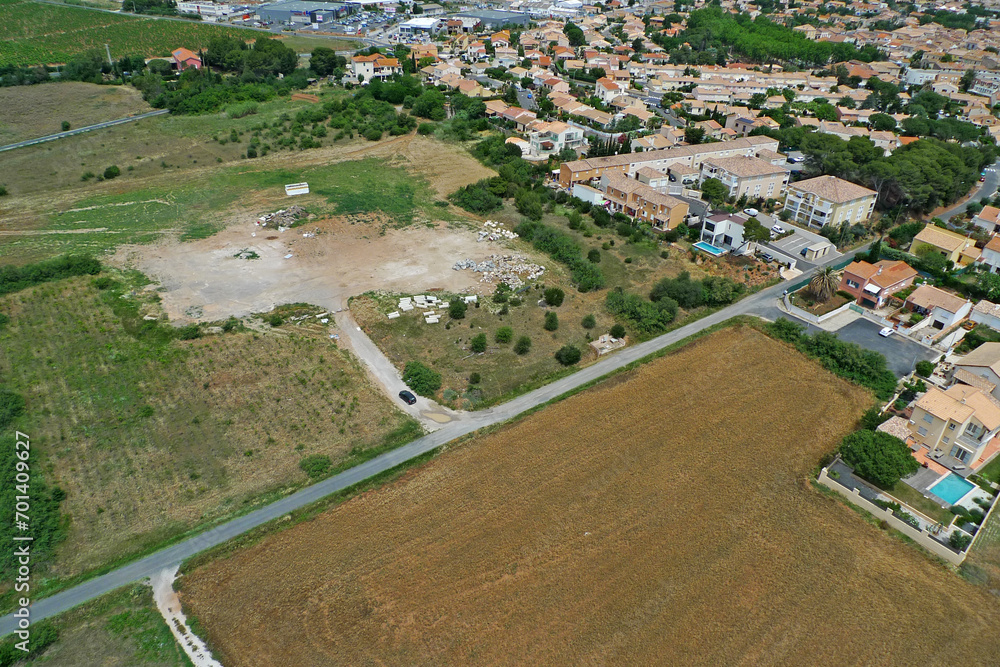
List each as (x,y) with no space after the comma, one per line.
(764,303)
(81,130)
(987,188)
(524,101)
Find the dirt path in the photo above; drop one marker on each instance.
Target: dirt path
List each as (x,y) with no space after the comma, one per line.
(170,608)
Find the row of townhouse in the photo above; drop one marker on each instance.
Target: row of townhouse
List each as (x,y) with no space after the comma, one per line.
(642,202)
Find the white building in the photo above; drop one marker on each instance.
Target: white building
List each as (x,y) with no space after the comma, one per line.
(828,200)
(204,9)
(420,25)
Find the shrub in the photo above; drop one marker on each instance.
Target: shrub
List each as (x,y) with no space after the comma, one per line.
(275,320)
(504,335)
(478,343)
(316,466)
(190,332)
(594,256)
(588,322)
(425,129)
(551,321)
(553,296)
(878,457)
(103,282)
(421,379)
(457,308)
(11,407)
(924,368)
(568,355)
(112,172)
(959,540)
(65,126)
(15,278)
(373,134)
(475,378)
(522,346)
(617,331)
(230,324)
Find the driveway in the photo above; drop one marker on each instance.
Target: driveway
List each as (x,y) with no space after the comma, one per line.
(525,99)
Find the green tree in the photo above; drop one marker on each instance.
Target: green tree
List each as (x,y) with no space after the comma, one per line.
(617,331)
(594,256)
(713,190)
(421,379)
(553,296)
(504,335)
(824,283)
(568,355)
(694,135)
(882,122)
(522,346)
(112,172)
(478,343)
(880,458)
(551,321)
(457,308)
(588,322)
(574,34)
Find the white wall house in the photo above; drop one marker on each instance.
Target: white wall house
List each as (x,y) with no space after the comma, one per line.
(723,231)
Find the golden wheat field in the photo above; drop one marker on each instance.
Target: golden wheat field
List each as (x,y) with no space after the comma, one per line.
(663,517)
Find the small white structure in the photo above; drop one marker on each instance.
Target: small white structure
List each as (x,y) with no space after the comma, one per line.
(293,189)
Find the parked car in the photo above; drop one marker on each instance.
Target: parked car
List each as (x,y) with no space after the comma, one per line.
(885,332)
(778,229)
(766,256)
(752,212)
(408,397)
(797,159)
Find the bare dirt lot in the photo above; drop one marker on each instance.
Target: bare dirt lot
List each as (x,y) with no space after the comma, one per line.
(342,260)
(27,112)
(662,517)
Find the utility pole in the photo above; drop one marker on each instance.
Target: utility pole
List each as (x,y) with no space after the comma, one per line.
(108,49)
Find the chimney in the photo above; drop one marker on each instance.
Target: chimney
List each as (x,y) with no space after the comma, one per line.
(879,272)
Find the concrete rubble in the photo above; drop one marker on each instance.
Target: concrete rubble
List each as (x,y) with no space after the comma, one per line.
(283,219)
(511,269)
(495,231)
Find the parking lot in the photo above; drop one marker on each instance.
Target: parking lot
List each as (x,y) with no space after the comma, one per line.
(901,353)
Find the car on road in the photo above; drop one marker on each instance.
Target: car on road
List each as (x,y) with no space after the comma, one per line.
(797,159)
(885,332)
(408,397)
(752,212)
(778,229)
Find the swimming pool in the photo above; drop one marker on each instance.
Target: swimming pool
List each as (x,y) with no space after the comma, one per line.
(709,248)
(951,488)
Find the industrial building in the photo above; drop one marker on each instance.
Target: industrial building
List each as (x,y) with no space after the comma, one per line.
(493,20)
(302,11)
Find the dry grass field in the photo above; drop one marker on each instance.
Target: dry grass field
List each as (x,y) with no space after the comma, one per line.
(663,517)
(27,112)
(150,438)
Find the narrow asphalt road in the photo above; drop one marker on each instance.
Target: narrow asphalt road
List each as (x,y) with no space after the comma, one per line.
(762,303)
(987,188)
(81,130)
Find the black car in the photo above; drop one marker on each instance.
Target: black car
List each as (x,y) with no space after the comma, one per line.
(408,397)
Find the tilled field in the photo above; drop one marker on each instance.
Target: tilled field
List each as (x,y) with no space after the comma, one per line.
(664,517)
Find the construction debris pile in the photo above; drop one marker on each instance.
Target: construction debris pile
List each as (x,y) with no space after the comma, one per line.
(511,269)
(282,219)
(431,316)
(494,231)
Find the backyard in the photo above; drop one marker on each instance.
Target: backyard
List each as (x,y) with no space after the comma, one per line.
(627,545)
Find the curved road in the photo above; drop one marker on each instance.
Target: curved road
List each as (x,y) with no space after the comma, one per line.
(762,303)
(987,188)
(81,130)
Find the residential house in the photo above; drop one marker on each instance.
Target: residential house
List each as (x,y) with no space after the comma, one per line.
(654,179)
(551,138)
(746,176)
(375,66)
(956,424)
(723,231)
(988,219)
(987,313)
(828,200)
(607,89)
(960,250)
(183,59)
(990,255)
(871,285)
(943,309)
(642,202)
(982,363)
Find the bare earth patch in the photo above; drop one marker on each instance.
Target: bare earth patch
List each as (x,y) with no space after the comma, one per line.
(663,517)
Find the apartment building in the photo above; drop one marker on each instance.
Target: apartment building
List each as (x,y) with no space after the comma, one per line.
(956,423)
(550,138)
(745,175)
(642,202)
(828,200)
(584,171)
(374,66)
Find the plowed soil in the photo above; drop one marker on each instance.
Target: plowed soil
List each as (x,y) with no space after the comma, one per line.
(664,517)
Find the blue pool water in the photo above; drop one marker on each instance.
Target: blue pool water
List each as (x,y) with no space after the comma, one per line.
(951,488)
(709,248)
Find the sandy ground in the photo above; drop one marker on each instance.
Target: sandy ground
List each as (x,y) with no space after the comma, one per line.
(170,608)
(340,261)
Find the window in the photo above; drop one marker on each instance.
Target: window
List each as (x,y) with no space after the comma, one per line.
(960,454)
(928,418)
(922,431)
(946,439)
(951,427)
(852,283)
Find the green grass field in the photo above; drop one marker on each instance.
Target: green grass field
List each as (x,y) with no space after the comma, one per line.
(35,33)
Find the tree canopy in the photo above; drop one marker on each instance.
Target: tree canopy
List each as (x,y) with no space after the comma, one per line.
(878,457)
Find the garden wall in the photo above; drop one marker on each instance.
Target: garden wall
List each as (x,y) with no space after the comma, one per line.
(917,535)
(809,317)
